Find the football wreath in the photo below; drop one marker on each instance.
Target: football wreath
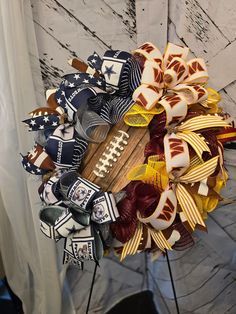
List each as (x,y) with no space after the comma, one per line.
(130,153)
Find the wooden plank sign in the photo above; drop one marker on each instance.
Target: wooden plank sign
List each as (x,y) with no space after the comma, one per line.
(132,155)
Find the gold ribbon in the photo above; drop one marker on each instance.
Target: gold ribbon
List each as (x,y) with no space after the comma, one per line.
(131,247)
(202,122)
(185,199)
(154,173)
(185,131)
(138,116)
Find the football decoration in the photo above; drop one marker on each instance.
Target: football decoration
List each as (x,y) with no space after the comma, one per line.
(132,156)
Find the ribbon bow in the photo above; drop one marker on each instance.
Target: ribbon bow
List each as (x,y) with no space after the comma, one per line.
(168,82)
(175,192)
(81,222)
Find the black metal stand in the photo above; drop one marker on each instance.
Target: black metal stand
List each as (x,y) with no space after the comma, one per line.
(91,288)
(172,283)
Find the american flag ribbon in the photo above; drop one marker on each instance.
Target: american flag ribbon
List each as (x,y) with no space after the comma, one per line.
(43,122)
(95,61)
(44,118)
(37,161)
(31,168)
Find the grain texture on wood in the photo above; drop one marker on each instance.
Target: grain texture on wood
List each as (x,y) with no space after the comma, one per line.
(152,22)
(132,155)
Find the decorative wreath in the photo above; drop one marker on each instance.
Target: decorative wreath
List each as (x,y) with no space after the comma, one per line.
(170,194)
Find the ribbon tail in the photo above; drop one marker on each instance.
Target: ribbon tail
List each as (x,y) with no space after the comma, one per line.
(189,207)
(201,172)
(131,247)
(196,141)
(160,240)
(203,122)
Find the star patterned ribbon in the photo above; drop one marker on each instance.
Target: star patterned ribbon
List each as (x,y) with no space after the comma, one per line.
(45,118)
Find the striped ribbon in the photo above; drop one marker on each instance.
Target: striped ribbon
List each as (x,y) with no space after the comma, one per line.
(202,122)
(131,247)
(227,135)
(185,199)
(160,240)
(189,207)
(200,172)
(186,131)
(196,141)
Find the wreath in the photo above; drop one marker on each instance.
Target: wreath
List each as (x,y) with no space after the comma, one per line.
(179,181)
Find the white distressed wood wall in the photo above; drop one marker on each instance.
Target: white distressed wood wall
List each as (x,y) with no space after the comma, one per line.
(205,274)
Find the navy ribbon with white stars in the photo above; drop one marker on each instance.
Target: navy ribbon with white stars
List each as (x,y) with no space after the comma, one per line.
(43,122)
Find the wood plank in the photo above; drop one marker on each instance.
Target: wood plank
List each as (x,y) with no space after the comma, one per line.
(109,28)
(51,55)
(174,38)
(225,215)
(230,90)
(223,15)
(222,68)
(196,28)
(132,155)
(136,157)
(152,20)
(227,102)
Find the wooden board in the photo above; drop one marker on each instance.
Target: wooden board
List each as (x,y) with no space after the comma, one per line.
(132,155)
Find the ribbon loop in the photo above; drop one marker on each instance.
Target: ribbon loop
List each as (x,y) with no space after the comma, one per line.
(104,209)
(165,212)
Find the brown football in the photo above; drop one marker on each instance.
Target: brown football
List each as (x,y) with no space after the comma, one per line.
(132,155)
